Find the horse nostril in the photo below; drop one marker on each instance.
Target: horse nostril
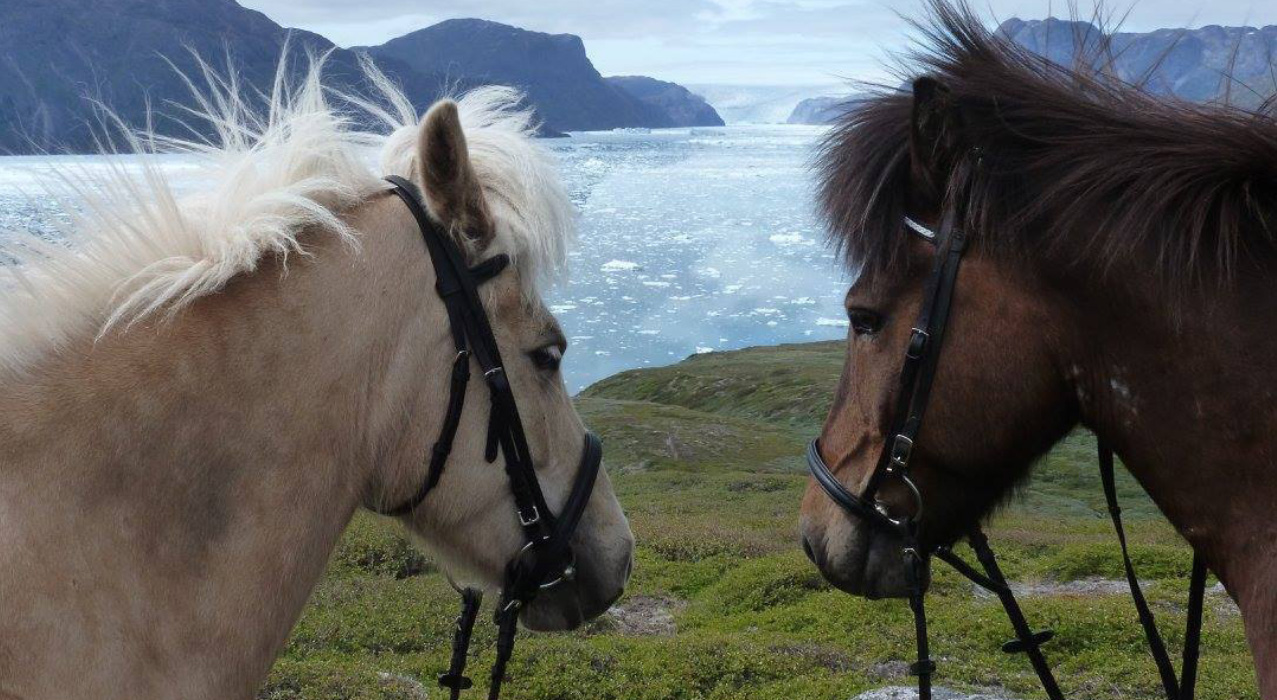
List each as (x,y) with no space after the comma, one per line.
(807,550)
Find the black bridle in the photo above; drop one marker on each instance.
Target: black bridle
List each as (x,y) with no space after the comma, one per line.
(546,559)
(915,379)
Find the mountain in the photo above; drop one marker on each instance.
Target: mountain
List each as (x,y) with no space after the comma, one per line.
(682,106)
(59,59)
(552,69)
(822,110)
(1210,63)
(54,54)
(1188,63)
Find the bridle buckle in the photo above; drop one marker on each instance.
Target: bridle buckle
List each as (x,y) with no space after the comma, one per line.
(529,521)
(901,451)
(497,379)
(917,343)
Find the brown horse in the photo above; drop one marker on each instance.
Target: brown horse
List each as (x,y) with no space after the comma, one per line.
(1121,275)
(198,392)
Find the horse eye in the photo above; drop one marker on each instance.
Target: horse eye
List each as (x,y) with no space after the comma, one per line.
(547,358)
(864,321)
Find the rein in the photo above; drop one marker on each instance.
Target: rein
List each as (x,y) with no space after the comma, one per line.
(546,560)
(916,376)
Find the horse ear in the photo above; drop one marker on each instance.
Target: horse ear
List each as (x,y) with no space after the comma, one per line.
(932,141)
(452,189)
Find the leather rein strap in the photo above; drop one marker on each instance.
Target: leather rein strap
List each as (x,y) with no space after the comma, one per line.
(546,560)
(1184,687)
(916,376)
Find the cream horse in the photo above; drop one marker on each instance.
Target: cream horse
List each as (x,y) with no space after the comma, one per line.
(199,391)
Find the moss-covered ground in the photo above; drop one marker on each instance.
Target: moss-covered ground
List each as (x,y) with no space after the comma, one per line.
(706,458)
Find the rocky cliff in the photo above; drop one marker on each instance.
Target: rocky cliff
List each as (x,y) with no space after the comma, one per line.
(682,106)
(59,57)
(1210,63)
(553,70)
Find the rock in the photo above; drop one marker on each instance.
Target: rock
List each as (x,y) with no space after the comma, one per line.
(900,692)
(643,616)
(403,687)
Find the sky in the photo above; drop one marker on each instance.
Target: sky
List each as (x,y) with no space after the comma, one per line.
(733,42)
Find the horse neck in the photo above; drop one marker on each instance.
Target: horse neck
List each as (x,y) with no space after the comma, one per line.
(1185,394)
(170,494)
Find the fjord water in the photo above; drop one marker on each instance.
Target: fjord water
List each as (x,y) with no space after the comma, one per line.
(692,240)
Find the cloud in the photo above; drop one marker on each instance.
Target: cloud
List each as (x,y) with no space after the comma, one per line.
(594,18)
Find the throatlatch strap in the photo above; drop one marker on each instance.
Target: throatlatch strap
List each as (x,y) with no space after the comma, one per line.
(447,436)
(452,420)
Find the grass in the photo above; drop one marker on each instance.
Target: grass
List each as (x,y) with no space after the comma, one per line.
(706,458)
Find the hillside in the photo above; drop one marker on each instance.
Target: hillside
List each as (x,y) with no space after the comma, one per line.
(1210,63)
(677,102)
(57,54)
(705,456)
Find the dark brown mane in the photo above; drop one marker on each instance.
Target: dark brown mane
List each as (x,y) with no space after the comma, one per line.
(1077,165)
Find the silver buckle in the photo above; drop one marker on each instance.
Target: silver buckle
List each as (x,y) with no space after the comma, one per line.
(901,451)
(568,573)
(536,517)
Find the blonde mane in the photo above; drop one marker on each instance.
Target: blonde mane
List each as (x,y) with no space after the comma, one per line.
(132,247)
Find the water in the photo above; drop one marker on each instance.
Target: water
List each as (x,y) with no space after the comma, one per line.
(692,241)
